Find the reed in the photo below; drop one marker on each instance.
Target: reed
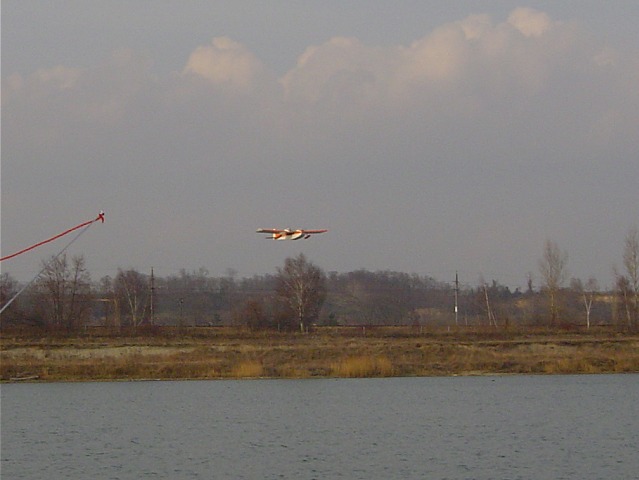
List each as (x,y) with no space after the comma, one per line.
(363,366)
(247,369)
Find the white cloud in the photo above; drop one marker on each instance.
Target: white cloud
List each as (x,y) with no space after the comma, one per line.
(225,62)
(459,58)
(40,84)
(60,77)
(339,69)
(469,63)
(463,72)
(530,22)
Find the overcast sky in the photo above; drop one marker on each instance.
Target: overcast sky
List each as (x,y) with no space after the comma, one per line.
(428,136)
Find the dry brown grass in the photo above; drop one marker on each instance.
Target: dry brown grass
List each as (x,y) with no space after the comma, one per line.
(247,369)
(214,353)
(363,366)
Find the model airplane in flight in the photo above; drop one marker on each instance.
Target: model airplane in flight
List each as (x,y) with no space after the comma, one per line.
(288,234)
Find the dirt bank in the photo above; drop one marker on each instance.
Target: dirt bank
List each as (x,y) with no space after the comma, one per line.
(335,352)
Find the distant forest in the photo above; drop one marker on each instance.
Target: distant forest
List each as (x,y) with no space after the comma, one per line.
(66,298)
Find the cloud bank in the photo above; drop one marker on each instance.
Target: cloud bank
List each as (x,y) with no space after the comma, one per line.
(462,150)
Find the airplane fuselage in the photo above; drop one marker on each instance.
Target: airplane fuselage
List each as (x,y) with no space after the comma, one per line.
(288,234)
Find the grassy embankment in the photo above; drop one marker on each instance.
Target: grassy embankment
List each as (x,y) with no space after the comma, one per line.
(328,352)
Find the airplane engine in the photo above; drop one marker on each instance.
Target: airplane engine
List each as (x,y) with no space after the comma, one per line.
(297,234)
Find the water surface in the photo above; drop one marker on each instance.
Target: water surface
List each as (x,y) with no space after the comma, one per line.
(512,427)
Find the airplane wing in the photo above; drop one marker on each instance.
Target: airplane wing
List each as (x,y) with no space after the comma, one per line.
(288,234)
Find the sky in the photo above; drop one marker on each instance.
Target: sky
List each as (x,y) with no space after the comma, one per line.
(429,136)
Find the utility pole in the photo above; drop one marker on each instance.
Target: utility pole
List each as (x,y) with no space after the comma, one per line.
(456,298)
(181,323)
(152,298)
(491,315)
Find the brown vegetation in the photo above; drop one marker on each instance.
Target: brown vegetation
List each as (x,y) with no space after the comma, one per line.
(214,353)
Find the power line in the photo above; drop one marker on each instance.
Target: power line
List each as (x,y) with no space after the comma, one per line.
(46,266)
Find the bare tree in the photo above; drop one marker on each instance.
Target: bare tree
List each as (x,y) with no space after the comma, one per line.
(228,286)
(8,290)
(8,287)
(67,291)
(529,283)
(631,262)
(383,298)
(253,315)
(106,296)
(587,293)
(552,268)
(624,295)
(302,288)
(132,292)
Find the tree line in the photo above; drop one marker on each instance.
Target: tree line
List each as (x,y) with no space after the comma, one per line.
(301,295)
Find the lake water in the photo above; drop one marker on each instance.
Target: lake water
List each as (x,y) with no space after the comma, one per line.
(508,427)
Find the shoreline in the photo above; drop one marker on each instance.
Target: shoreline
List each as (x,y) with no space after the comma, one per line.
(194,354)
(248,379)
